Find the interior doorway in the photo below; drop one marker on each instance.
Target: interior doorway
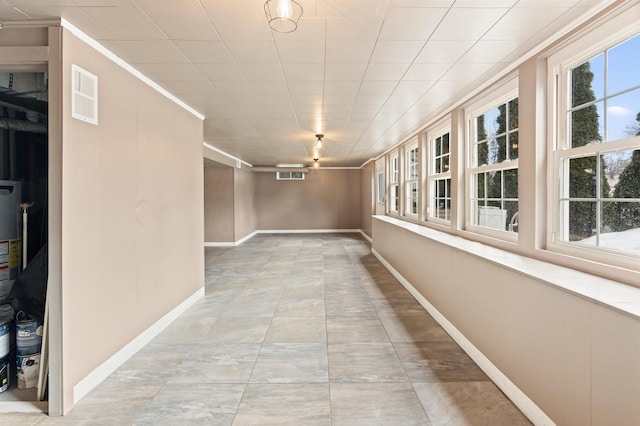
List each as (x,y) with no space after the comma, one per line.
(24,116)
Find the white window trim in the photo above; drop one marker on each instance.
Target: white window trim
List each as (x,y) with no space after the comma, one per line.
(506,91)
(76,74)
(409,180)
(435,132)
(394,179)
(584,46)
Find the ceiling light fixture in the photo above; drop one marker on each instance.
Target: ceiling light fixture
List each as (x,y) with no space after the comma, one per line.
(319,144)
(283,15)
(316,164)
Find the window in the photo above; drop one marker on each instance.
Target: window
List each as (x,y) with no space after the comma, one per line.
(597,155)
(380,188)
(290,175)
(394,184)
(413,164)
(440,178)
(494,166)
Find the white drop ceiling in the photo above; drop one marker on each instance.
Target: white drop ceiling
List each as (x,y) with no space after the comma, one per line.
(365,73)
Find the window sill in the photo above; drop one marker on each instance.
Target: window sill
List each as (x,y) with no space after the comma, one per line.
(609,293)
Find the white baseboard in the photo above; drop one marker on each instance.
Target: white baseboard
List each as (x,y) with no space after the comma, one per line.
(284,231)
(366,237)
(519,398)
(96,377)
(307,231)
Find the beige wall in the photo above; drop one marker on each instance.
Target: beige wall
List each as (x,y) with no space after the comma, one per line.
(132,213)
(244,203)
(575,359)
(326,199)
(367,197)
(219,204)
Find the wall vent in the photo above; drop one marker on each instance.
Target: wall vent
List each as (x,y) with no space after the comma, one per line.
(290,175)
(84,96)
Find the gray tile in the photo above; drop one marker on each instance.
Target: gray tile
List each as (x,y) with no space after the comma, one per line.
(22,419)
(469,403)
(301,307)
(438,362)
(291,363)
(239,330)
(297,330)
(365,362)
(211,404)
(376,404)
(349,306)
(285,404)
(356,329)
(218,364)
(414,327)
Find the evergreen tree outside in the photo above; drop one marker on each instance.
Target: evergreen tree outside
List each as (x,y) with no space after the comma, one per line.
(627,214)
(582,171)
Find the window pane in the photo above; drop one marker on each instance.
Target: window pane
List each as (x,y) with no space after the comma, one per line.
(499,150)
(582,177)
(438,147)
(445,144)
(623,63)
(582,219)
(513,145)
(513,114)
(482,154)
(622,112)
(480,185)
(494,184)
(445,164)
(510,183)
(512,215)
(587,125)
(587,81)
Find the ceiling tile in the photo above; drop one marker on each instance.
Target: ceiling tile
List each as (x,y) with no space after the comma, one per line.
(467,23)
(303,71)
(126,23)
(411,23)
(221,72)
(301,52)
(268,72)
(490,51)
(443,52)
(334,71)
(349,51)
(248,29)
(253,52)
(396,52)
(520,24)
(195,28)
(205,52)
(171,72)
(385,71)
(153,52)
(377,87)
(426,72)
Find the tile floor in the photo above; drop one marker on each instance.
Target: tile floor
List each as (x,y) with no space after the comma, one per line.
(297,330)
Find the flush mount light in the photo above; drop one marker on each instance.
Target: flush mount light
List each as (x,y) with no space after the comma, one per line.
(283,15)
(319,144)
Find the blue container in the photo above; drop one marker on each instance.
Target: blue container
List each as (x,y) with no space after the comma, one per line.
(28,335)
(5,374)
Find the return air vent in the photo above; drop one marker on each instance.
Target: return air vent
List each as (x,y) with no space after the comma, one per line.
(84,99)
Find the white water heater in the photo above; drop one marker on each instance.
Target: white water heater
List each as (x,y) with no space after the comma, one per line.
(10,235)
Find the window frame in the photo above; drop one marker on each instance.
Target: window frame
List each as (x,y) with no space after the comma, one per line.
(394,182)
(590,44)
(436,132)
(412,177)
(504,93)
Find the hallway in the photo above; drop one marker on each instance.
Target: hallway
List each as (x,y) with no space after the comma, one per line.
(301,329)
